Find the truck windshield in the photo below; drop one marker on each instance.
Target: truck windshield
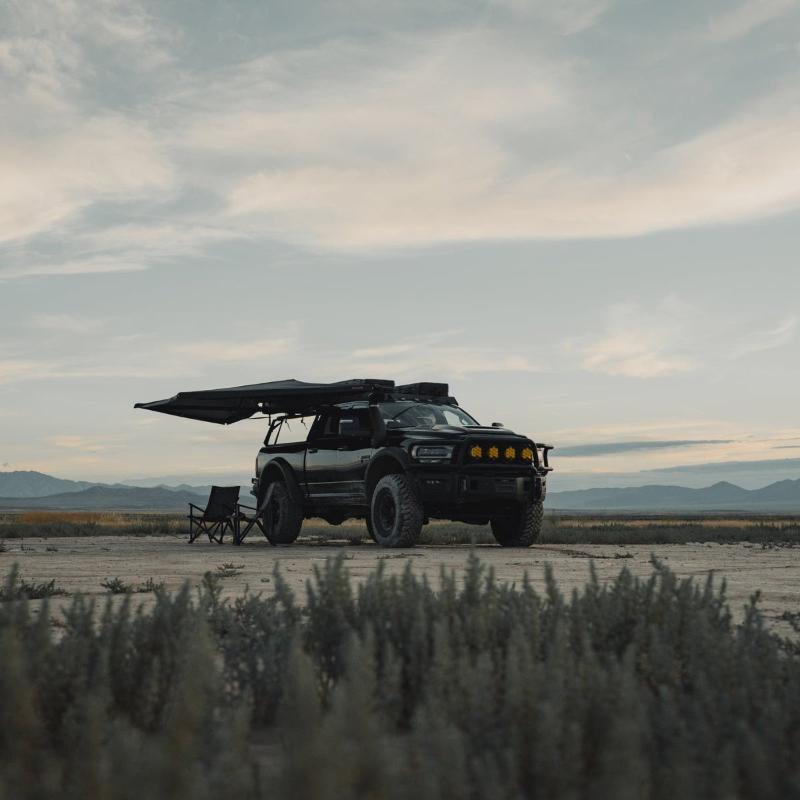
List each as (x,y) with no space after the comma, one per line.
(425,415)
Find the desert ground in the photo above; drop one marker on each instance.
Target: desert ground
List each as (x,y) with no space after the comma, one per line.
(79,565)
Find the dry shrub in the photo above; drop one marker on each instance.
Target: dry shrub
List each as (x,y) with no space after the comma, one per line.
(636,688)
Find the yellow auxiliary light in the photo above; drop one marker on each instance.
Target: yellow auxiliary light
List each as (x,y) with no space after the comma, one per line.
(511,453)
(527,454)
(493,452)
(476,451)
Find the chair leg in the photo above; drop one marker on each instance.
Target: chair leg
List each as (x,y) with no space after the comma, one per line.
(237,529)
(213,532)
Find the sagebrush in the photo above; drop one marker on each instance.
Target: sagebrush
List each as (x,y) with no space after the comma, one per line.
(396,689)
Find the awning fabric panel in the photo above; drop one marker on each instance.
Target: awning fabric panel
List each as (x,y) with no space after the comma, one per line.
(235,403)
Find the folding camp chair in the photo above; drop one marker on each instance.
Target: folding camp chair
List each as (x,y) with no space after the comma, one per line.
(246,522)
(221,514)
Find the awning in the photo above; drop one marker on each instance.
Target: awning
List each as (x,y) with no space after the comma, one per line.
(235,403)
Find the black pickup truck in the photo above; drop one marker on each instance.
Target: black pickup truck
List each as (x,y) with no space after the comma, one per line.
(395,456)
(397,460)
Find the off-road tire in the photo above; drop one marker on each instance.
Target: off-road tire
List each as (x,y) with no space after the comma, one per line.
(520,529)
(396,513)
(282,517)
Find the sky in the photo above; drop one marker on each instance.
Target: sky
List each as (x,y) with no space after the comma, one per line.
(584,215)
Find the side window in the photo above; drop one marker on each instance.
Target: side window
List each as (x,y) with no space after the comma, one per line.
(294,431)
(327,425)
(355,422)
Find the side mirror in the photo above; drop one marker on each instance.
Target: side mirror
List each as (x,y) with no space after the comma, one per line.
(498,425)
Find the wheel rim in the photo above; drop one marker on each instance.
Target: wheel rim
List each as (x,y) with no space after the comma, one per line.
(385,513)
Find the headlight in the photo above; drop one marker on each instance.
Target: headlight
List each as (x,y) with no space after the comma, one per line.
(432,453)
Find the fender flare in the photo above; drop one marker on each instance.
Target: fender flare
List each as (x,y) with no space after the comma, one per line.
(386,461)
(288,476)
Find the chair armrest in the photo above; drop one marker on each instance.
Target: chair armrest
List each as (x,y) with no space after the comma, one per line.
(192,505)
(244,505)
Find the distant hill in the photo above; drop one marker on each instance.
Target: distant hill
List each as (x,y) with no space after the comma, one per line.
(33,490)
(108,498)
(27,483)
(783,496)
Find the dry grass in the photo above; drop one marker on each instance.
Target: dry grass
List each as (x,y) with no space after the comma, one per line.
(57,524)
(75,517)
(557,529)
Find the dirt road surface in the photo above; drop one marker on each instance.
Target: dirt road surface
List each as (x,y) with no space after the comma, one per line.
(80,565)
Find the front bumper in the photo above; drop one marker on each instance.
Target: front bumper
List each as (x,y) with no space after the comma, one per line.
(478,488)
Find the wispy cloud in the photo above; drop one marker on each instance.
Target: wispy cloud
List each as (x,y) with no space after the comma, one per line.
(611,448)
(439,172)
(732,467)
(94,265)
(472,133)
(777,336)
(566,17)
(85,444)
(436,355)
(736,23)
(216,352)
(60,150)
(143,356)
(51,174)
(638,342)
(66,323)
(14,369)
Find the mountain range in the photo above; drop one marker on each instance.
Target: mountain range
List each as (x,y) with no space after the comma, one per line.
(26,489)
(108,498)
(781,496)
(33,490)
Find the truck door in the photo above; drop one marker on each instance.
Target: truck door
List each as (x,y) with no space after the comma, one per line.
(322,457)
(354,452)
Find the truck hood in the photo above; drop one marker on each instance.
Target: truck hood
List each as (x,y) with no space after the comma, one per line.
(456,432)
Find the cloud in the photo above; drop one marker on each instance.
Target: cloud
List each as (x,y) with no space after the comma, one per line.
(14,370)
(487,131)
(433,355)
(746,17)
(766,465)
(115,358)
(638,342)
(213,351)
(82,443)
(95,265)
(611,448)
(430,158)
(66,323)
(567,16)
(777,336)
(60,150)
(51,173)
